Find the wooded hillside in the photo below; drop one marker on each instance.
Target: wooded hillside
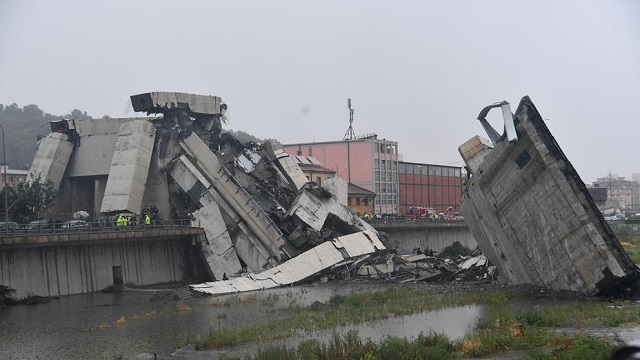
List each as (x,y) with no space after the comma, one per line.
(23,125)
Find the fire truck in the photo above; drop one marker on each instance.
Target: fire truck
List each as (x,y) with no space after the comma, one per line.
(420,213)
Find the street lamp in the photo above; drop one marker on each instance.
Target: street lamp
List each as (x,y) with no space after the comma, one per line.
(4,180)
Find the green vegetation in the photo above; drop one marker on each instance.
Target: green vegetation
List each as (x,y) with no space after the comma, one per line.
(6,295)
(528,332)
(583,314)
(630,239)
(246,137)
(348,309)
(437,346)
(351,346)
(29,201)
(23,126)
(454,251)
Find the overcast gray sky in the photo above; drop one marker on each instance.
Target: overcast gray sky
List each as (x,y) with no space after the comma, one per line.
(418,72)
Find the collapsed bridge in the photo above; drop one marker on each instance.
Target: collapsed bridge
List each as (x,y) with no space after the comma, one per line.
(257,208)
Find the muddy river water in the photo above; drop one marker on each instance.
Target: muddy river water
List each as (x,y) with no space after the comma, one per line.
(129,325)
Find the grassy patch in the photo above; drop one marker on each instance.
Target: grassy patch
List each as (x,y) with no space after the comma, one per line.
(529,332)
(630,240)
(348,309)
(541,344)
(583,314)
(7,297)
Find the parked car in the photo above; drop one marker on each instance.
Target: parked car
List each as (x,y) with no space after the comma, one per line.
(75,224)
(42,224)
(9,226)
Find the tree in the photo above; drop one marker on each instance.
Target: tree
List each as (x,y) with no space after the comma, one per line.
(29,201)
(79,115)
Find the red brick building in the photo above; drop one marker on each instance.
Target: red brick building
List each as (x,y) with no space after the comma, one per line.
(428,185)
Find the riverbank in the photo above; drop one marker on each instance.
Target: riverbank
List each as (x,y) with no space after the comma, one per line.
(127,324)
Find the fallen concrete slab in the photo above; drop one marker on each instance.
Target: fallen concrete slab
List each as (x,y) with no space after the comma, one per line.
(259,223)
(532,215)
(300,268)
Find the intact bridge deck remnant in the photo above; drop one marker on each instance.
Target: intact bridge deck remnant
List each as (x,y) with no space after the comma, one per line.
(93,233)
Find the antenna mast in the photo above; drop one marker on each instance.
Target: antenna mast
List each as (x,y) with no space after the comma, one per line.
(350,134)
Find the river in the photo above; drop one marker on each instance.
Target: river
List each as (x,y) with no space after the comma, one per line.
(128,325)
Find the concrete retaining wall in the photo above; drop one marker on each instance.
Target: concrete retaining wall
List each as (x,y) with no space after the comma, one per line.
(65,270)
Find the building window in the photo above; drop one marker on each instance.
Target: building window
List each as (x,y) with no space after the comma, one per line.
(357,201)
(309,151)
(366,202)
(319,181)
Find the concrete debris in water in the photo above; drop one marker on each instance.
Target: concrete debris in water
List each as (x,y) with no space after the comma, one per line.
(331,256)
(421,267)
(261,215)
(532,215)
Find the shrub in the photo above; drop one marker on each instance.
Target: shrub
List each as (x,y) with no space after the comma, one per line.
(6,295)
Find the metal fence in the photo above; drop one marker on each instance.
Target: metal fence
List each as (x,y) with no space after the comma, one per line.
(69,227)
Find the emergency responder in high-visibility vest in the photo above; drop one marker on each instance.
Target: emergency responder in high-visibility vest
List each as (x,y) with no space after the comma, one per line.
(125,221)
(119,221)
(147,219)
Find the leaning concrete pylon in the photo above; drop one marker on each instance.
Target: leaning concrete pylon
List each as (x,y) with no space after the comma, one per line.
(532,215)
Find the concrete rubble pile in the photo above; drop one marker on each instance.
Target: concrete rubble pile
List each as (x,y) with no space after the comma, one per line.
(421,267)
(261,216)
(532,215)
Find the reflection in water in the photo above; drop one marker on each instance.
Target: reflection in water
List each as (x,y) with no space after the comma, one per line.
(125,324)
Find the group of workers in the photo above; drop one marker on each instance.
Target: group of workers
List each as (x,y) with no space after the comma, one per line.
(123,221)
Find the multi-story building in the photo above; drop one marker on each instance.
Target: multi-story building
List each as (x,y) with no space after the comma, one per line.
(622,194)
(313,170)
(429,186)
(13,178)
(361,201)
(369,163)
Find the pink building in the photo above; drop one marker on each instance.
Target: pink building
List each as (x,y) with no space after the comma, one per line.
(369,163)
